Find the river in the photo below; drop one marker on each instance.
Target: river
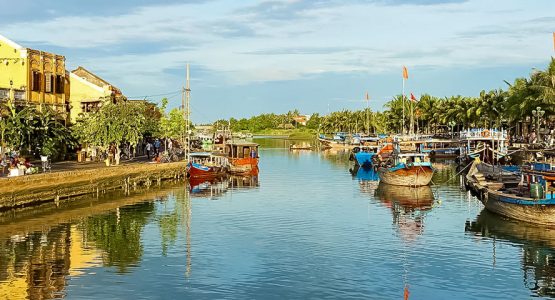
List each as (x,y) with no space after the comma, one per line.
(305,227)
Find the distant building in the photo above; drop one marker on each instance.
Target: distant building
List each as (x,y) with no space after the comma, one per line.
(301,119)
(88,91)
(33,77)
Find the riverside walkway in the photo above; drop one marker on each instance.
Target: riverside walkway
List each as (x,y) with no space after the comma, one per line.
(72,179)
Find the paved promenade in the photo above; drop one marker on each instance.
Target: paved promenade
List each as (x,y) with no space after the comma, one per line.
(63,166)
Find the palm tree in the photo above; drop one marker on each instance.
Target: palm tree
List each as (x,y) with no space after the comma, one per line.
(425,108)
(395,113)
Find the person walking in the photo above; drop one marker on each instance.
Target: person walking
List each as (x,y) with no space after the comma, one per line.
(157,146)
(148,148)
(111,154)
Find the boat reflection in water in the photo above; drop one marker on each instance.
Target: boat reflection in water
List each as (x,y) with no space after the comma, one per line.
(537,243)
(364,173)
(367,179)
(409,205)
(215,187)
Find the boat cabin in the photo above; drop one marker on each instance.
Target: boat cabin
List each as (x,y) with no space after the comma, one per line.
(490,145)
(208,159)
(440,148)
(407,158)
(241,150)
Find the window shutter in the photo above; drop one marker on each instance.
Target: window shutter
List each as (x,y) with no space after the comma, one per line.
(48,81)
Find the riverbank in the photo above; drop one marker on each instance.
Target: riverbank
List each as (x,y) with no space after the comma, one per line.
(297,134)
(34,189)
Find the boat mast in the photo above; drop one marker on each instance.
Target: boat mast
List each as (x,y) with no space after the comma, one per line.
(403,104)
(187,115)
(367,112)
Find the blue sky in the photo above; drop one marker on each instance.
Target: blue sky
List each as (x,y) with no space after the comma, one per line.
(249,57)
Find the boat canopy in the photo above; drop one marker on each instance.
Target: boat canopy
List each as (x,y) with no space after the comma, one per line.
(200,154)
(241,150)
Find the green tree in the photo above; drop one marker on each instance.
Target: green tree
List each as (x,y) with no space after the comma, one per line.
(112,123)
(14,125)
(49,132)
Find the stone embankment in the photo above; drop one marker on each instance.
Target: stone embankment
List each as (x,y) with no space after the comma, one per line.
(34,189)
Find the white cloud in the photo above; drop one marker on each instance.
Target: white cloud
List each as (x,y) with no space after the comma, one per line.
(361,38)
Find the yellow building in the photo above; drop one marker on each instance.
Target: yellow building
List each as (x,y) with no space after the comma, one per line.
(31,76)
(88,91)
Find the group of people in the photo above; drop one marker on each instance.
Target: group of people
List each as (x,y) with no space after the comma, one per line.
(12,161)
(153,149)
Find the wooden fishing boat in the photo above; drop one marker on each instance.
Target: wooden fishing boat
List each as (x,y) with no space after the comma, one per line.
(526,202)
(490,145)
(339,140)
(364,156)
(243,157)
(295,147)
(206,165)
(438,148)
(407,169)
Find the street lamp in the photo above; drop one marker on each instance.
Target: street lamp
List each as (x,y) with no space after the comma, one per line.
(452,124)
(538,113)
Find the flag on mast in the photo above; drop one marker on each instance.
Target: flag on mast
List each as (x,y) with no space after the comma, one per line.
(412,98)
(367,97)
(405,73)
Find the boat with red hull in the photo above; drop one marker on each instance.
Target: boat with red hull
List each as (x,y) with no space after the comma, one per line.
(206,165)
(243,157)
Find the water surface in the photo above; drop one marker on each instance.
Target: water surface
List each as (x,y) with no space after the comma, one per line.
(306,227)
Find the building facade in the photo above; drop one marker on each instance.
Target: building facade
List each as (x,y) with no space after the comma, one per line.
(88,91)
(33,77)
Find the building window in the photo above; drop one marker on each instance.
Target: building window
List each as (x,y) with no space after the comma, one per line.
(4,93)
(19,95)
(49,83)
(59,84)
(35,87)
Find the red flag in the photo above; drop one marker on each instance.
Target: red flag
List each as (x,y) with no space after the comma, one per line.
(405,73)
(412,98)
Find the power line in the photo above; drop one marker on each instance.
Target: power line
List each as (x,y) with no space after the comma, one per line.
(157,95)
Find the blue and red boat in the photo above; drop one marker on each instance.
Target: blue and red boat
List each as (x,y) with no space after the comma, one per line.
(206,165)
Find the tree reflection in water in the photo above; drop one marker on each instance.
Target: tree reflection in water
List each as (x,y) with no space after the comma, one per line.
(537,243)
(118,235)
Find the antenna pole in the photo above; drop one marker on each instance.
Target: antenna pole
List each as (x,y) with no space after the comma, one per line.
(187,111)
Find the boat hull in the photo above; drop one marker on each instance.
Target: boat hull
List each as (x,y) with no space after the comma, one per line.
(408,176)
(201,171)
(519,208)
(442,153)
(244,166)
